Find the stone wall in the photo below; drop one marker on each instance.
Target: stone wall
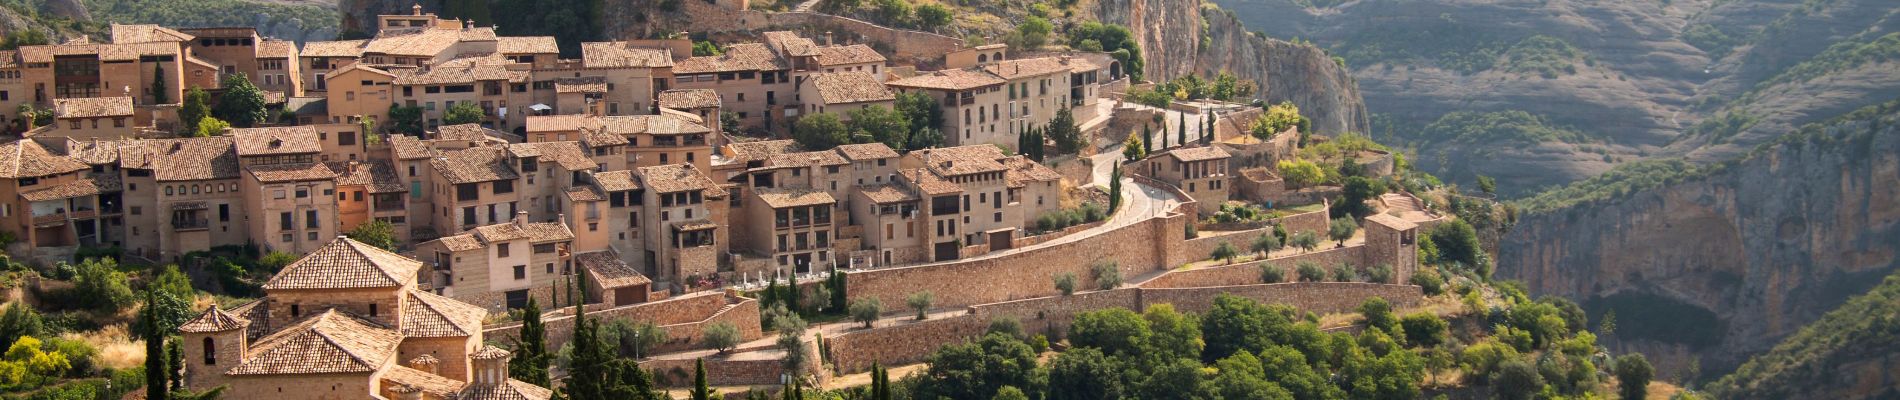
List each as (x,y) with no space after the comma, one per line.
(1078,170)
(1249,272)
(681,317)
(719,372)
(908,342)
(1317,297)
(898,43)
(1042,314)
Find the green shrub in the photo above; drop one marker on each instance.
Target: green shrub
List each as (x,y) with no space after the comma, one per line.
(1271,273)
(1310,272)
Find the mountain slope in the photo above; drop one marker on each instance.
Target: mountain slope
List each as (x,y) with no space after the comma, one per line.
(1847,354)
(1721,261)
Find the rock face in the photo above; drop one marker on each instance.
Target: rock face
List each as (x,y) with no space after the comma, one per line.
(1172,35)
(1764,246)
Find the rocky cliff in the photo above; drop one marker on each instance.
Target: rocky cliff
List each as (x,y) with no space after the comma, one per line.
(1726,262)
(1182,36)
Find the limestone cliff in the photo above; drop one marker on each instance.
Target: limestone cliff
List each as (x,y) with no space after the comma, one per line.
(1725,263)
(1184,36)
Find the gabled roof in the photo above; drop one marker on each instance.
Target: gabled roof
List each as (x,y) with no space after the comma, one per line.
(146,33)
(789,43)
(866,151)
(569,155)
(927,183)
(471,165)
(214,320)
(410,148)
(620,55)
(615,181)
(738,57)
(852,54)
(376,175)
(277,140)
(324,343)
(26,158)
(345,263)
(526,45)
(430,315)
(610,270)
(686,99)
(93,107)
(850,87)
(678,178)
(951,79)
(533,231)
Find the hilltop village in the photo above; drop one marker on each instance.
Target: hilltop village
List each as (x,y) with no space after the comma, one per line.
(436,194)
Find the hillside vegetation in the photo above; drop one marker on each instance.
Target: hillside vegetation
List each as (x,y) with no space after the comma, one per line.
(1827,358)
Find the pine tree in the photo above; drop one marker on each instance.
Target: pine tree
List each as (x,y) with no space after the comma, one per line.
(155,376)
(700,390)
(158,84)
(530,362)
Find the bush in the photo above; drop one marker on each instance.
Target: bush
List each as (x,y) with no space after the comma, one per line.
(1381,273)
(1429,281)
(866,310)
(920,301)
(1008,326)
(1517,380)
(1065,282)
(1271,273)
(1225,252)
(1345,273)
(1633,373)
(721,336)
(1378,314)
(1310,272)
(1306,240)
(1107,275)
(1424,329)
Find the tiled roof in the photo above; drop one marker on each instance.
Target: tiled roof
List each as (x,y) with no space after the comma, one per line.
(326,342)
(467,132)
(511,390)
(376,175)
(84,186)
(410,148)
(526,45)
(92,107)
(357,67)
(807,159)
(615,181)
(1202,153)
(953,79)
(585,193)
(883,193)
(318,107)
(416,43)
(794,197)
(962,160)
(489,352)
(929,184)
(427,314)
(340,48)
(678,178)
(600,138)
(345,263)
(431,385)
(292,172)
(461,72)
(738,57)
(569,155)
(532,231)
(9,58)
(277,140)
(26,158)
(462,242)
(661,124)
(213,320)
(619,55)
(760,150)
(94,152)
(146,33)
(850,87)
(1390,221)
(585,84)
(182,159)
(866,151)
(853,54)
(609,270)
(789,43)
(561,123)
(273,48)
(105,52)
(1028,67)
(695,224)
(686,99)
(1022,170)
(479,164)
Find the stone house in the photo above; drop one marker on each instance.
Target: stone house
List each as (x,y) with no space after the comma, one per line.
(977,196)
(1200,171)
(499,267)
(839,93)
(289,193)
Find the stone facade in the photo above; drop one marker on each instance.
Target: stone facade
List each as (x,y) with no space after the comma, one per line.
(719,372)
(683,318)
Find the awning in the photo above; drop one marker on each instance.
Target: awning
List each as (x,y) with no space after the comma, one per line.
(540,107)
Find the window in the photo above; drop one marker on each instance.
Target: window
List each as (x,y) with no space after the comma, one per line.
(504,186)
(501,249)
(372,309)
(211,352)
(544,248)
(303,192)
(224,213)
(521,272)
(295,311)
(310,219)
(346,139)
(284,222)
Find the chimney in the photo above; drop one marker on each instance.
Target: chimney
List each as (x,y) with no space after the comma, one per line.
(425,363)
(827,38)
(491,367)
(521,218)
(416,9)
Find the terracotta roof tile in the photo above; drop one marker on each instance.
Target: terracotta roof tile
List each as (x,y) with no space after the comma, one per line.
(273,48)
(759,150)
(93,107)
(526,45)
(585,84)
(182,159)
(462,242)
(427,314)
(1022,170)
(26,158)
(609,270)
(615,181)
(850,87)
(468,132)
(953,79)
(569,155)
(533,231)
(85,186)
(884,193)
(339,48)
(1202,153)
(410,148)
(277,140)
(432,385)
(326,342)
(1390,221)
(561,123)
(461,72)
(584,193)
(794,197)
(479,164)
(146,33)
(678,178)
(511,390)
(416,43)
(661,124)
(687,99)
(929,184)
(94,152)
(376,175)
(345,263)
(807,159)
(1027,67)
(789,43)
(738,57)
(962,160)
(214,320)
(105,52)
(619,55)
(866,151)
(292,172)
(852,54)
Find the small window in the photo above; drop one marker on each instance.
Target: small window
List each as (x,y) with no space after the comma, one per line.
(521,272)
(372,309)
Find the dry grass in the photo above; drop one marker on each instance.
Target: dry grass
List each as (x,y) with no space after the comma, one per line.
(117,347)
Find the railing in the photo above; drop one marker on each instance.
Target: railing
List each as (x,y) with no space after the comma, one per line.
(190,224)
(49,218)
(389,206)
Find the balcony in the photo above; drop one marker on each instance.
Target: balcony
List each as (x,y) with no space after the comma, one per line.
(50,220)
(388,206)
(190,224)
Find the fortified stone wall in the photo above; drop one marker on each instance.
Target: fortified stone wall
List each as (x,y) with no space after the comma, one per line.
(1314,221)
(901,43)
(1322,298)
(719,372)
(1249,272)
(1042,314)
(681,317)
(909,342)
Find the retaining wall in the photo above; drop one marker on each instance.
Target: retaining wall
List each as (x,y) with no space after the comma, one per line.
(683,318)
(1322,298)
(677,373)
(1249,272)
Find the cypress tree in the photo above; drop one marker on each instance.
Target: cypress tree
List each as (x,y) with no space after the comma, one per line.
(175,365)
(155,375)
(700,390)
(791,296)
(837,290)
(1147,140)
(530,363)
(1181,136)
(1115,189)
(1164,137)
(158,84)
